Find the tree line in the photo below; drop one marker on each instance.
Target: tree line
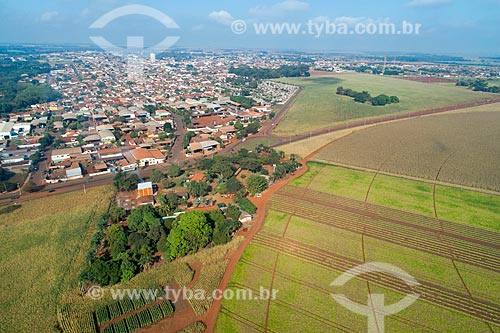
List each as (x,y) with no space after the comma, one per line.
(479,85)
(364,97)
(16,94)
(271,73)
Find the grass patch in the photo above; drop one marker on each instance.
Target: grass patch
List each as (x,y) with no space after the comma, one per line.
(336,180)
(276,222)
(403,194)
(319,107)
(330,238)
(468,207)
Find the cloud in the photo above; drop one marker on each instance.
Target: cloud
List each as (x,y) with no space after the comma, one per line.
(291,5)
(222,17)
(280,8)
(49,16)
(350,20)
(427,3)
(198,27)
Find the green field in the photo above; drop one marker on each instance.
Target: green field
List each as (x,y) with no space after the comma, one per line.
(318,106)
(298,252)
(43,249)
(453,204)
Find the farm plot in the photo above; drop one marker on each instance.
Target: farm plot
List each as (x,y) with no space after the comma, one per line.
(43,245)
(448,203)
(318,106)
(312,236)
(85,315)
(454,148)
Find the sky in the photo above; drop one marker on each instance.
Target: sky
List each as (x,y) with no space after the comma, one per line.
(456,27)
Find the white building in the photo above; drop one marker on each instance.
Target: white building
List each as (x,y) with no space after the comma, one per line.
(6,130)
(59,155)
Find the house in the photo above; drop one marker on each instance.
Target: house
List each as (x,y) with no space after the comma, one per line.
(106,136)
(144,189)
(143,157)
(6,130)
(74,172)
(110,153)
(203,146)
(245,217)
(60,155)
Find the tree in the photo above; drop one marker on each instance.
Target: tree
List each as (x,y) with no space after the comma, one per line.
(198,189)
(117,239)
(116,214)
(250,163)
(157,176)
(174,171)
(128,270)
(253,127)
(222,228)
(102,272)
(168,128)
(143,218)
(46,141)
(233,212)
(222,166)
(256,184)
(190,232)
(170,200)
(233,185)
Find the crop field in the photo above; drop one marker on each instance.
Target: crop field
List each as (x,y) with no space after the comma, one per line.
(316,229)
(319,107)
(454,148)
(78,314)
(41,244)
(448,203)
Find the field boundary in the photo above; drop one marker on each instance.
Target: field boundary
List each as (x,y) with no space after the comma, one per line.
(424,180)
(385,119)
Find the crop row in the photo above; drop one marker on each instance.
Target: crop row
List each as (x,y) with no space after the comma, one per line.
(83,323)
(427,242)
(141,319)
(117,309)
(397,216)
(430,292)
(418,239)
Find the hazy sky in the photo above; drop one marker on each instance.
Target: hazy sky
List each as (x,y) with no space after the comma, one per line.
(447,26)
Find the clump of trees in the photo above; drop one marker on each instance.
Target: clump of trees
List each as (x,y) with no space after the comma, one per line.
(123,183)
(479,85)
(364,97)
(15,94)
(121,248)
(271,73)
(246,102)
